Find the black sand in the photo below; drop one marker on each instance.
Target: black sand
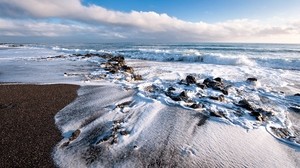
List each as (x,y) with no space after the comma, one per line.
(27,129)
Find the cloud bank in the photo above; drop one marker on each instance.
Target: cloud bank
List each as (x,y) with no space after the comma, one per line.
(56,18)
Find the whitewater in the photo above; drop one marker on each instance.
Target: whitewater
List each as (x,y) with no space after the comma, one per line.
(174,116)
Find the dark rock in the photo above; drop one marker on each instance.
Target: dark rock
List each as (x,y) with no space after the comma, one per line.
(170,89)
(255,113)
(183,95)
(251,79)
(224,91)
(221,98)
(295,109)
(195,106)
(137,77)
(213,97)
(238,113)
(150,88)
(106,56)
(65,144)
(114,140)
(297,94)
(245,104)
(88,55)
(218,79)
(74,135)
(124,104)
(119,60)
(124,132)
(127,69)
(113,70)
(190,79)
(217,98)
(200,85)
(175,98)
(216,85)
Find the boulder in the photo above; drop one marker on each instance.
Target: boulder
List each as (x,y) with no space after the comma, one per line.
(183,96)
(137,77)
(214,84)
(88,55)
(170,89)
(74,135)
(218,79)
(190,79)
(124,132)
(252,80)
(119,60)
(200,85)
(127,69)
(217,98)
(245,104)
(195,106)
(297,94)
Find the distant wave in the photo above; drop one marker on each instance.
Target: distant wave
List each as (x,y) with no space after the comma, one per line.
(272,56)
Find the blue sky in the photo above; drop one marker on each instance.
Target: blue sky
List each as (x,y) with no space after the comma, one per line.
(207,10)
(151,20)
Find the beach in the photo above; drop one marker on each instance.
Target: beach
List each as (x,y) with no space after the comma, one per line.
(124,105)
(28,132)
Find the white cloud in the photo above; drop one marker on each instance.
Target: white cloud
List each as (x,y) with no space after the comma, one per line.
(136,24)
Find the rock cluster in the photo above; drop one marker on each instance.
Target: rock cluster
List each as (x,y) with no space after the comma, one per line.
(179,92)
(216,84)
(259,113)
(112,135)
(117,64)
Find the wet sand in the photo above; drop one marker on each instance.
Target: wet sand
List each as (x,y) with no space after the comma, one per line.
(27,127)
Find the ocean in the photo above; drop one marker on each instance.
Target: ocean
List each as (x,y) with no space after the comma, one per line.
(250,86)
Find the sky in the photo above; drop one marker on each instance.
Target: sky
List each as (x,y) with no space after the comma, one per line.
(253,21)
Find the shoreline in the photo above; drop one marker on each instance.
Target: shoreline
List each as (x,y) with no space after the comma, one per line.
(28,130)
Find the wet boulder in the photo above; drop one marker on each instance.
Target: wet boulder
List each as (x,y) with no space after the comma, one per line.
(200,85)
(295,109)
(74,135)
(127,69)
(246,105)
(137,77)
(190,80)
(118,60)
(88,55)
(217,98)
(251,80)
(195,106)
(170,89)
(297,94)
(180,97)
(214,84)
(183,96)
(218,79)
